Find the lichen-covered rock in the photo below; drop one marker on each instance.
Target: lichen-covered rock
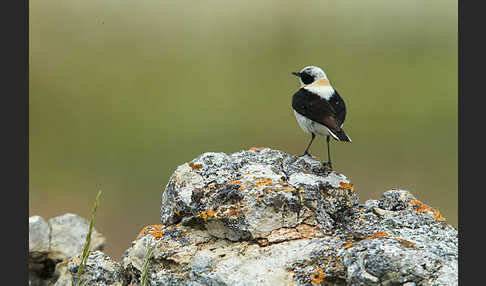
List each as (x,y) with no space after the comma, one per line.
(364,250)
(398,239)
(100,270)
(187,256)
(263,217)
(251,195)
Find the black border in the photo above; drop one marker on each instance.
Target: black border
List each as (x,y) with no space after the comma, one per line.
(471,80)
(14,117)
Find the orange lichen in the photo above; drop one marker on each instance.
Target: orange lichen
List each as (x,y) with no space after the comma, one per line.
(308,231)
(155,230)
(234,182)
(419,206)
(423,208)
(211,213)
(438,216)
(176,211)
(284,234)
(195,166)
(206,214)
(406,243)
(348,245)
(378,235)
(232,212)
(263,182)
(287,189)
(318,276)
(347,186)
(402,241)
(256,148)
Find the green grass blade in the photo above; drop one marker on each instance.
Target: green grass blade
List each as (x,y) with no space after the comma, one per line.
(148,255)
(86,251)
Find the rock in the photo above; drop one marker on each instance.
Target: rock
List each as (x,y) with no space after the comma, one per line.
(40,267)
(183,256)
(39,233)
(100,270)
(252,194)
(53,243)
(394,200)
(68,236)
(263,217)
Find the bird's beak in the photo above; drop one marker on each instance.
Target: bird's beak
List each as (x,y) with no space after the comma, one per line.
(296,73)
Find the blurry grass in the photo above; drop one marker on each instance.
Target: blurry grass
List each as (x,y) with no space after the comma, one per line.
(148,255)
(124,92)
(77,281)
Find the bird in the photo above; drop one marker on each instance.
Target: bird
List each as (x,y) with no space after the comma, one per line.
(318,108)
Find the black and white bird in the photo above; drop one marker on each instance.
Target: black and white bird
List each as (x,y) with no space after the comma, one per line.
(318,107)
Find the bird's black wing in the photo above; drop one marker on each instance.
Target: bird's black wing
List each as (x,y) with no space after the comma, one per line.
(321,111)
(338,104)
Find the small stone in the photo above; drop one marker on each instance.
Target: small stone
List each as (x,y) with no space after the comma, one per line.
(396,200)
(38,235)
(68,236)
(370,204)
(100,270)
(382,212)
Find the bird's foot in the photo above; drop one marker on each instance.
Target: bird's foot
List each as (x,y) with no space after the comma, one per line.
(306,153)
(327,165)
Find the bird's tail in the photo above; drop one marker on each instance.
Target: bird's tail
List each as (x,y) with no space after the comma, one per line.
(340,136)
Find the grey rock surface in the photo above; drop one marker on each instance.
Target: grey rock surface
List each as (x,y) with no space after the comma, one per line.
(39,233)
(68,236)
(250,195)
(263,217)
(54,242)
(100,270)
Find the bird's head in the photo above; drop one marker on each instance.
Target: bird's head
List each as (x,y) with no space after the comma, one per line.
(310,74)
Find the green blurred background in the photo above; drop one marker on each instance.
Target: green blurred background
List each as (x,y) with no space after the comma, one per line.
(123,92)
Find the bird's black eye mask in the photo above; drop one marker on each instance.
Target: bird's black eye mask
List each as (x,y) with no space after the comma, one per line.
(306,78)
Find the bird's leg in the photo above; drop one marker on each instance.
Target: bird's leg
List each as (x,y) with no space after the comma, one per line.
(308,146)
(328,138)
